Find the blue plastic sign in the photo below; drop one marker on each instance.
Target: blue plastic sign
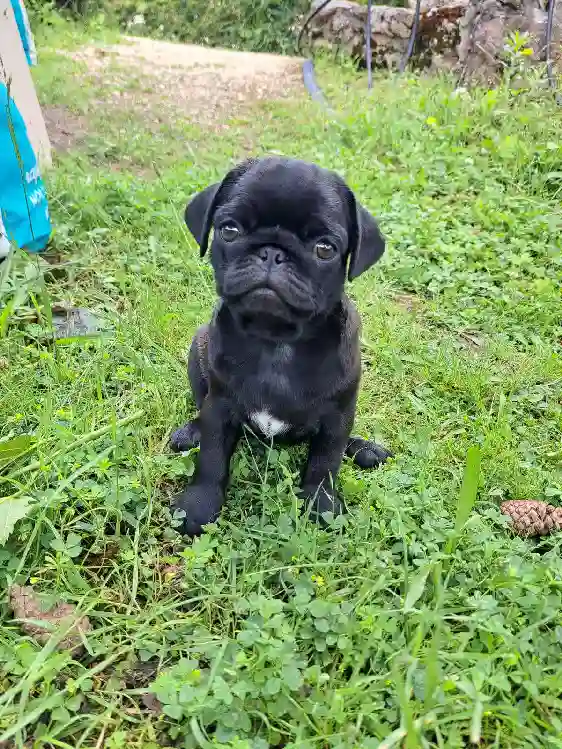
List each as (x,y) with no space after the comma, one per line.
(24,210)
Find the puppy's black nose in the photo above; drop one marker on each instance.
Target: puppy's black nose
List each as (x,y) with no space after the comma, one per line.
(272,255)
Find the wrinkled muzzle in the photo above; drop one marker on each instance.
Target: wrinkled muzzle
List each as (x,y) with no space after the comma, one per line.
(267,294)
(269,269)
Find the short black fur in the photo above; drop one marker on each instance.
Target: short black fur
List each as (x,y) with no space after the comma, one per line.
(281,353)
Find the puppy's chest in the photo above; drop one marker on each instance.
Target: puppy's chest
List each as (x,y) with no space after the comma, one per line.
(257,373)
(267,424)
(272,377)
(269,387)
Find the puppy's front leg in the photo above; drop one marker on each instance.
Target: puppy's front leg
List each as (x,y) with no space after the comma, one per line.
(325,455)
(202,500)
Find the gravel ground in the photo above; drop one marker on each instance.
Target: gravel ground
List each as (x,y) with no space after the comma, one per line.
(206,86)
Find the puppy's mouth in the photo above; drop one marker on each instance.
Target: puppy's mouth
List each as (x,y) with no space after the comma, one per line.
(263,312)
(278,291)
(267,326)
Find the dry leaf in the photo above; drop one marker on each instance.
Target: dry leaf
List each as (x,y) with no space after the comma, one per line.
(408,302)
(62,617)
(169,571)
(152,703)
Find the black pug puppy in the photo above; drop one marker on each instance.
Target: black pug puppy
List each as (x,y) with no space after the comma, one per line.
(281,353)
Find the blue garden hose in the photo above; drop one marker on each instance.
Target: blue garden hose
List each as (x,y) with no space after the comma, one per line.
(311,85)
(549,62)
(308,74)
(412,39)
(368,50)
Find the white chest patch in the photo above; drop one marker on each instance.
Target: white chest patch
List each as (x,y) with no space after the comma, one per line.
(267,424)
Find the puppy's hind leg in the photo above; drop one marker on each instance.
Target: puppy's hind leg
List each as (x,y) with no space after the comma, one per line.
(189,435)
(367,454)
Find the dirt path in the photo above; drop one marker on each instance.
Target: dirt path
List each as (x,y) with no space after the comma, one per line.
(165,81)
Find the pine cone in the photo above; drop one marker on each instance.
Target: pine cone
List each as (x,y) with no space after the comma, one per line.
(533,518)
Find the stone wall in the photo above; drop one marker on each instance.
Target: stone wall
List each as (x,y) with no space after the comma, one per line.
(466,36)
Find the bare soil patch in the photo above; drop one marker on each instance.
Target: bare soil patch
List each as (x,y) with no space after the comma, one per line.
(166,81)
(66,129)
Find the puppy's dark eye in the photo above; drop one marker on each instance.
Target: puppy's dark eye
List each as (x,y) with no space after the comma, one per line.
(325,250)
(229,232)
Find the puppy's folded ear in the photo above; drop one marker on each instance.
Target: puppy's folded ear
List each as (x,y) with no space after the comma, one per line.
(366,243)
(201,209)
(199,215)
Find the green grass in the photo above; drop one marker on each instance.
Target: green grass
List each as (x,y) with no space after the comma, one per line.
(418,621)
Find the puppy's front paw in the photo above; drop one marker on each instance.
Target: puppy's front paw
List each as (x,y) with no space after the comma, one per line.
(187,437)
(202,505)
(319,500)
(367,454)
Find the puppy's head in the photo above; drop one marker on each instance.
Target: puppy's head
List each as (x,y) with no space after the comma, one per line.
(285,233)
